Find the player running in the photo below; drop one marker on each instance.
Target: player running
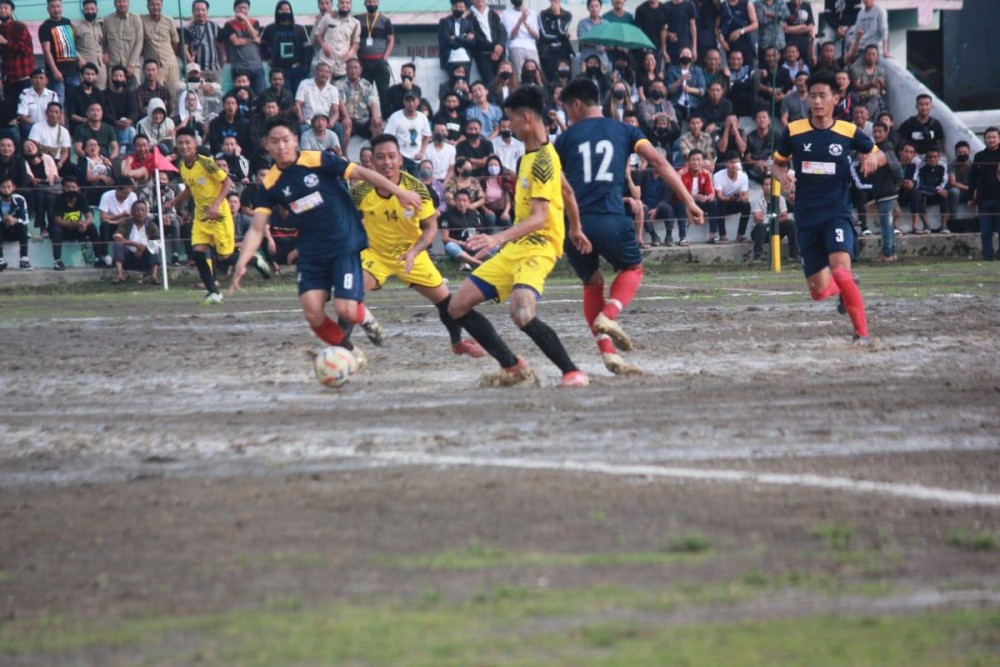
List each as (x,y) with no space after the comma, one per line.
(312,186)
(398,239)
(213,221)
(594,152)
(530,249)
(819,149)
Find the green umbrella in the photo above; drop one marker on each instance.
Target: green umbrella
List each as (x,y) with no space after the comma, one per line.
(621,35)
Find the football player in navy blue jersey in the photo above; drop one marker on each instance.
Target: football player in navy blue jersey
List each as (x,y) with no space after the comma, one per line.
(819,149)
(331,237)
(594,152)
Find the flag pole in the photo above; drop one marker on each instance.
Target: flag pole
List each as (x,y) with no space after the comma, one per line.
(163,236)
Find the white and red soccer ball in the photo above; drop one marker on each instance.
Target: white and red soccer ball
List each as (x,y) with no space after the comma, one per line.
(334,366)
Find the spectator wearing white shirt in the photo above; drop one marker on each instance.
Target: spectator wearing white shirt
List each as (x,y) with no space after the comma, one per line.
(412,129)
(441,154)
(318,137)
(521,24)
(317,95)
(52,138)
(116,208)
(785,227)
(871,27)
(33,102)
(507,147)
(732,194)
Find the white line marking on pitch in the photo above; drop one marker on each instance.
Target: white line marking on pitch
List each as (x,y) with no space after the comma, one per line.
(911,491)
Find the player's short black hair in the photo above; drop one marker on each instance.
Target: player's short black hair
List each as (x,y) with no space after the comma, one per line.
(186,132)
(384,138)
(280,122)
(823,78)
(581,89)
(527,97)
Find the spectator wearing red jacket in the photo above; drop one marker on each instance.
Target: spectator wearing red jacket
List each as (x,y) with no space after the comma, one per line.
(698,181)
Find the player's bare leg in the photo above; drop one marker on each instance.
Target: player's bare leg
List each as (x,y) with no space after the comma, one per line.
(524,313)
(441,298)
(461,308)
(839,280)
(593,306)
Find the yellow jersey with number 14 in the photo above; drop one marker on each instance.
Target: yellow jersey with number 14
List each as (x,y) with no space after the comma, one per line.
(540,177)
(392,229)
(204,179)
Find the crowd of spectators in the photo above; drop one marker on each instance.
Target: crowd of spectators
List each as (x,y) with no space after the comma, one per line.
(724,77)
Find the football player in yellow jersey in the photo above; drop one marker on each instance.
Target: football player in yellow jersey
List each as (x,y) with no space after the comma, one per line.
(530,250)
(398,239)
(213,221)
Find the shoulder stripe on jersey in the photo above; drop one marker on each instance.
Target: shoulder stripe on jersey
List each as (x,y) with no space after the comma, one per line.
(271,177)
(309,159)
(348,170)
(781,159)
(359,192)
(799,126)
(845,129)
(543,169)
(208,163)
(413,184)
(642,141)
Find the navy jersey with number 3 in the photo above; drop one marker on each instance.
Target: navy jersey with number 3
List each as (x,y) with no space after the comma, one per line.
(822,163)
(594,154)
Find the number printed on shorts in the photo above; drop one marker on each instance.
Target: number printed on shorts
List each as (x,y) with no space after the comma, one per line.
(839,235)
(349,280)
(604,148)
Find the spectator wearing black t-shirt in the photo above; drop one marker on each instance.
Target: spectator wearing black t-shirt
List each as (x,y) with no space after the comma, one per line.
(800,29)
(73,221)
(474,149)
(285,45)
(59,50)
(760,145)
(922,130)
(985,183)
(377,42)
(682,26)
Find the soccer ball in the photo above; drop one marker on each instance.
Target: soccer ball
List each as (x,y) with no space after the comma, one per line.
(334,366)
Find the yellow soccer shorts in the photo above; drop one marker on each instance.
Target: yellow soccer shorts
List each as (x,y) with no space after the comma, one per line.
(218,234)
(517,264)
(381,268)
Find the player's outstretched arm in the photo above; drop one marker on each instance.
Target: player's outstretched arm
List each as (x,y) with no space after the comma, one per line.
(576,235)
(669,176)
(251,242)
(407,198)
(481,243)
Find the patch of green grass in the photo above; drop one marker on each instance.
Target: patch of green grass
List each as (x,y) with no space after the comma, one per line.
(478,556)
(4,577)
(974,541)
(594,627)
(836,536)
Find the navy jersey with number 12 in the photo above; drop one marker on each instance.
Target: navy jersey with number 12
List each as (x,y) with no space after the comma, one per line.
(594,153)
(822,163)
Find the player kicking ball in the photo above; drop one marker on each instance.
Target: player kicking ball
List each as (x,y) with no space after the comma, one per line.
(819,148)
(312,186)
(530,249)
(594,152)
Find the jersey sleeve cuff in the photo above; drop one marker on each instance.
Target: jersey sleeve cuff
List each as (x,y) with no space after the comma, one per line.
(780,159)
(262,209)
(349,170)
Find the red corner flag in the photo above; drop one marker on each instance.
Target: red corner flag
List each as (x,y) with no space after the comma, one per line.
(160,162)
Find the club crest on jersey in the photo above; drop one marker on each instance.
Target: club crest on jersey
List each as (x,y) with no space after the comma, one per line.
(525,183)
(201,181)
(311,180)
(836,149)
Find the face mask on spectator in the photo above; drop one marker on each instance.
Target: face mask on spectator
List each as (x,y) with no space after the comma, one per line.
(656,95)
(426,174)
(961,158)
(684,60)
(529,77)
(439,137)
(372,9)
(564,72)
(493,170)
(593,70)
(457,13)
(465,171)
(619,94)
(504,76)
(194,78)
(90,16)
(407,78)
(505,134)
(343,13)
(471,136)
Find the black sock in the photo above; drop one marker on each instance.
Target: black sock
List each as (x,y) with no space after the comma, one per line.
(347,327)
(201,262)
(480,328)
(453,327)
(548,342)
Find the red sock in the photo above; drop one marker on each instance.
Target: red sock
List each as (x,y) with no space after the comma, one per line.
(329,332)
(832,289)
(623,290)
(854,303)
(593,304)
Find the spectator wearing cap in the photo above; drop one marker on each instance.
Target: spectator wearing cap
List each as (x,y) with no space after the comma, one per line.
(33,102)
(17,55)
(361,102)
(208,93)
(201,43)
(123,39)
(59,50)
(318,137)
(285,45)
(338,36)
(377,42)
(79,98)
(89,34)
(161,42)
(52,138)
(241,35)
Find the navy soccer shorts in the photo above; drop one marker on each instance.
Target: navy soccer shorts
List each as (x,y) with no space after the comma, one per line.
(818,242)
(342,275)
(612,237)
